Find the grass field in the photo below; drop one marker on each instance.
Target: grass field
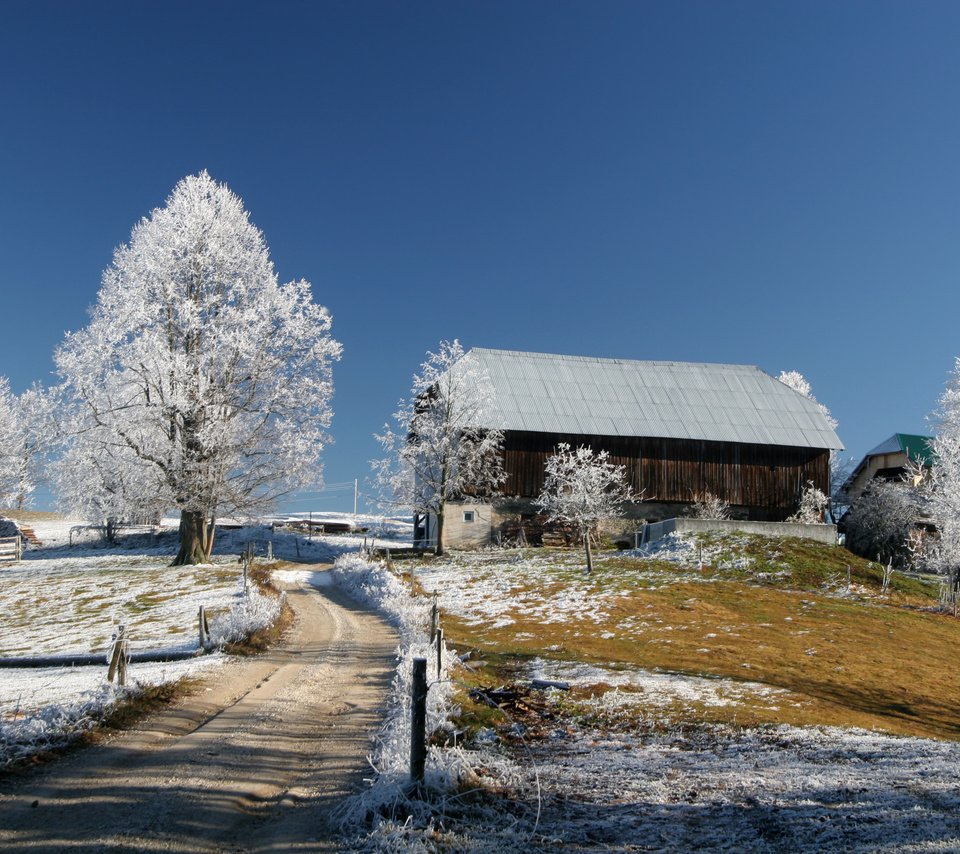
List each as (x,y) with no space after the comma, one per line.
(760,614)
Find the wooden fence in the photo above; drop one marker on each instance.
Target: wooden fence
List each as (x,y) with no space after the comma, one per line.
(11,549)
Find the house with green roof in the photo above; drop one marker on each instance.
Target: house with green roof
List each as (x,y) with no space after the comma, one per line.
(888,461)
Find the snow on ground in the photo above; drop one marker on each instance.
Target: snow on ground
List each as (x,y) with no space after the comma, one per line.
(66,598)
(75,604)
(648,689)
(617,776)
(713,788)
(493,588)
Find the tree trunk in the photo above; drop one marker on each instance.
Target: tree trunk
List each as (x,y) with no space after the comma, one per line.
(586,545)
(438,551)
(211,531)
(193,531)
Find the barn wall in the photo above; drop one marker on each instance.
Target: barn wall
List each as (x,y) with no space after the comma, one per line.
(766,478)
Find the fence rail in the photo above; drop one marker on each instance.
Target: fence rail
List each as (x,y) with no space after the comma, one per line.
(11,549)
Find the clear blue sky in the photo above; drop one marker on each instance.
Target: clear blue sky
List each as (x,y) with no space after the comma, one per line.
(752,182)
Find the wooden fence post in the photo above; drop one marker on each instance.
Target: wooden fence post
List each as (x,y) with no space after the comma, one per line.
(439,652)
(202,620)
(434,619)
(418,722)
(122,663)
(116,654)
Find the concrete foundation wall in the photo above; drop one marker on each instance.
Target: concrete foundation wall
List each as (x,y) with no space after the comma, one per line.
(820,533)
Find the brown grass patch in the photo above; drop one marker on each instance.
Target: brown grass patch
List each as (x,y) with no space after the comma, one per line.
(867,661)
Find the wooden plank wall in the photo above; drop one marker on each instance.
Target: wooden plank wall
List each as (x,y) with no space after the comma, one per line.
(679,469)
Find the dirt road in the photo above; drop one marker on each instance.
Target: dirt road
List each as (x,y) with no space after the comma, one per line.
(254,763)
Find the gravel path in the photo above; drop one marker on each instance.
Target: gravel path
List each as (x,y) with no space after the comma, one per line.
(253,763)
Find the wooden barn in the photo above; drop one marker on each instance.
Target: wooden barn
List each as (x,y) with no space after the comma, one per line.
(681,429)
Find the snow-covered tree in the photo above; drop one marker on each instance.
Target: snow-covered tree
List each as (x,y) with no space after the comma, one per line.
(839,468)
(103,481)
(24,438)
(581,489)
(943,487)
(796,381)
(200,378)
(12,438)
(446,445)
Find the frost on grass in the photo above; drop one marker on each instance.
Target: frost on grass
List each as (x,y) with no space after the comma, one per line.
(54,725)
(251,612)
(716,788)
(399,821)
(46,708)
(644,689)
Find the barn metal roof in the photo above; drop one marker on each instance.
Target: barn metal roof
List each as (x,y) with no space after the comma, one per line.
(545,393)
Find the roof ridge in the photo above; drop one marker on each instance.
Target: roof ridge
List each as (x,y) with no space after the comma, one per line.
(614,359)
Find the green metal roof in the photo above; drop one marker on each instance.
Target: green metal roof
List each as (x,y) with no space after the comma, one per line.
(916,447)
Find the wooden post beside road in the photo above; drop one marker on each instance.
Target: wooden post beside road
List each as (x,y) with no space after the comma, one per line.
(418,722)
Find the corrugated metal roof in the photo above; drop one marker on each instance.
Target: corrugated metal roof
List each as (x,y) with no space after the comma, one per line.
(547,393)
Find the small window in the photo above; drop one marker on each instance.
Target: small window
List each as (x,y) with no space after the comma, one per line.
(468,515)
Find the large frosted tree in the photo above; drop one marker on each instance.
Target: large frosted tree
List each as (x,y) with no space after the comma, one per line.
(943,487)
(13,474)
(201,382)
(446,444)
(26,434)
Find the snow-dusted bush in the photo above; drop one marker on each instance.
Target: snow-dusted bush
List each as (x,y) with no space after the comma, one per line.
(710,506)
(251,612)
(813,505)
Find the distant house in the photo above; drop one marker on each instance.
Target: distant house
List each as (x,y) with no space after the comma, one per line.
(888,461)
(681,429)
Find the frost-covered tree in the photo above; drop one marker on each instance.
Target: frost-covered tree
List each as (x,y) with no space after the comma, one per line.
(12,439)
(24,438)
(198,369)
(796,381)
(581,489)
(103,481)
(943,487)
(445,445)
(839,469)
(880,522)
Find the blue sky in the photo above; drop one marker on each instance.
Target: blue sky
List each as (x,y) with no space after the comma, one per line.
(750,182)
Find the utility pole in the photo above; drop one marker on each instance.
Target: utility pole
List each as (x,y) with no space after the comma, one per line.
(355,497)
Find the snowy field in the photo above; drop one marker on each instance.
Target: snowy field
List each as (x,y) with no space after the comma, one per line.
(611,767)
(71,594)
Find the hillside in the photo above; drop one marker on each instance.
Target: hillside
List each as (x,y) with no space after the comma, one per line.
(758,612)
